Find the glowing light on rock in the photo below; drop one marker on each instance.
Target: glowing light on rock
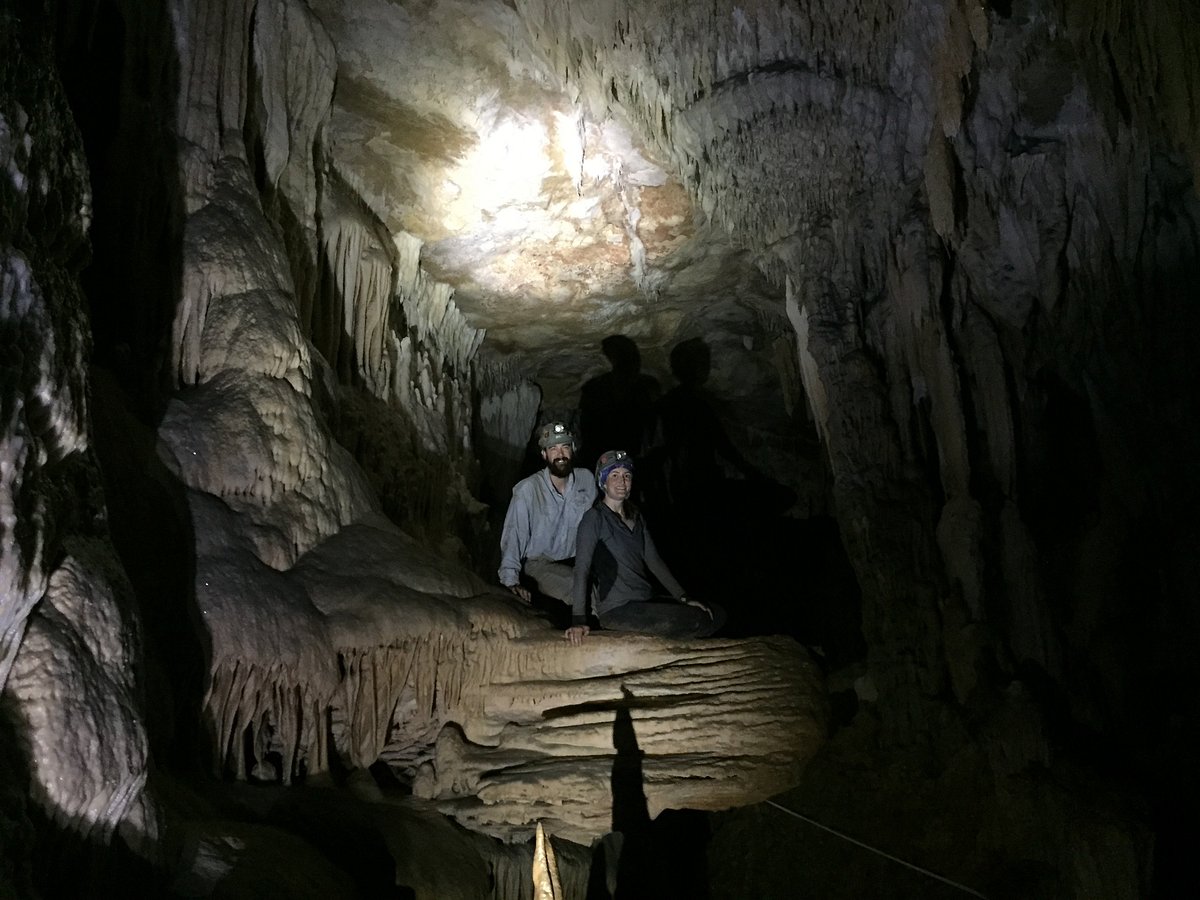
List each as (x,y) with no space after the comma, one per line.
(569,130)
(505,169)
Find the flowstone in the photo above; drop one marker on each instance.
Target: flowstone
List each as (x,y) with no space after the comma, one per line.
(388,653)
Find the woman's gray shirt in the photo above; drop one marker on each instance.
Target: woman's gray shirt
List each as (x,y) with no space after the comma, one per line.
(618,560)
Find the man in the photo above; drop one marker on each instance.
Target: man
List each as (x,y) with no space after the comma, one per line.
(539,527)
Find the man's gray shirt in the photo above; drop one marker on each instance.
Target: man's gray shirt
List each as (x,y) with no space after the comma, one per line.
(541,522)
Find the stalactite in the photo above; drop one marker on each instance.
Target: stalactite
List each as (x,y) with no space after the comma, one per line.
(508,418)
(814,389)
(429,355)
(362,284)
(213,95)
(256,714)
(294,66)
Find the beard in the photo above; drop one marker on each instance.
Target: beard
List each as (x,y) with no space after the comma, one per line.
(560,467)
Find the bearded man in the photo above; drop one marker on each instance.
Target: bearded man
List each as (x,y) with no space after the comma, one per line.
(542,518)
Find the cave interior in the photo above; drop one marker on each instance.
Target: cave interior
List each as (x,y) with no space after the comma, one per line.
(892,301)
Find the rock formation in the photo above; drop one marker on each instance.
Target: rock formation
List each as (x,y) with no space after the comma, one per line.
(286,285)
(75,737)
(369,649)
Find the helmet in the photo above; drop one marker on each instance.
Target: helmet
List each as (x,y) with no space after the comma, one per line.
(609,460)
(553,434)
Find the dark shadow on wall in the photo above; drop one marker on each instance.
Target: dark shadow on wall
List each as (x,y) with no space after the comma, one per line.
(16,824)
(694,477)
(151,528)
(695,457)
(121,76)
(723,527)
(1118,552)
(616,408)
(85,65)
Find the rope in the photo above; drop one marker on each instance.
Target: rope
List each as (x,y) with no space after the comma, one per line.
(876,850)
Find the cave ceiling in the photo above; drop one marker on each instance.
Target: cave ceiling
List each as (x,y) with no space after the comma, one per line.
(550,218)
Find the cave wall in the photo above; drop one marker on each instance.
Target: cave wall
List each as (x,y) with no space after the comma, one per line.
(985,221)
(290,344)
(236,100)
(314,378)
(74,743)
(217,414)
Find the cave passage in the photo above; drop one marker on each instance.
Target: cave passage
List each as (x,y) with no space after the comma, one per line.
(892,305)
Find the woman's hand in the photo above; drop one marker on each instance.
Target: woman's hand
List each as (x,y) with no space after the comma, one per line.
(576,633)
(687,601)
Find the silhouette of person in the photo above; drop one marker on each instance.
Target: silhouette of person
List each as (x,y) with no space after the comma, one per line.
(706,514)
(643,857)
(693,443)
(616,409)
(638,873)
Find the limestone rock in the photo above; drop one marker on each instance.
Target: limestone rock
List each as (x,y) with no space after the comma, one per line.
(69,639)
(81,711)
(713,724)
(484,708)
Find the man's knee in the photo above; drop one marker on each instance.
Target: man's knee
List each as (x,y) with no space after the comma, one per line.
(553,587)
(554,579)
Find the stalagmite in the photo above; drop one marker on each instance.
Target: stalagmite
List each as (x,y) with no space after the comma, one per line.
(546,883)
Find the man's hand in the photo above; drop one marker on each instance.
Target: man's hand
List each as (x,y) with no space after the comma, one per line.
(521,592)
(687,601)
(576,633)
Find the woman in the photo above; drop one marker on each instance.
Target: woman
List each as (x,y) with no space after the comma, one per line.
(614,559)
